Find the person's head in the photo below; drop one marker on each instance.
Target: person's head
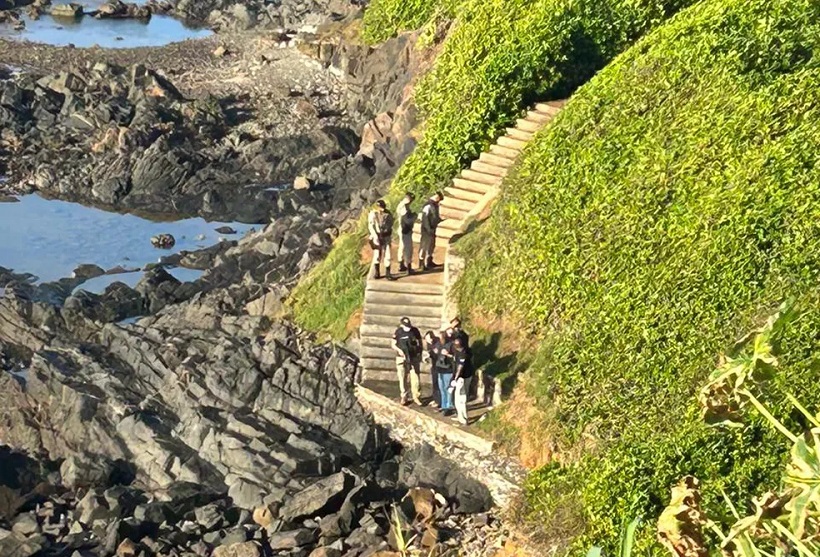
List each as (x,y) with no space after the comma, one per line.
(455,323)
(450,332)
(380,205)
(457,344)
(437,197)
(405,323)
(409,197)
(429,337)
(442,335)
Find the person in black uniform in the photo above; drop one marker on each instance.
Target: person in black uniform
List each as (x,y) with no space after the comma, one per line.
(433,344)
(459,333)
(407,343)
(461,379)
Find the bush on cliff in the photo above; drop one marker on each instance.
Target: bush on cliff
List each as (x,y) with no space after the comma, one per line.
(500,56)
(673,204)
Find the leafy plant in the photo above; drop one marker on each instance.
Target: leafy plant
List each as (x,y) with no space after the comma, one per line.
(671,205)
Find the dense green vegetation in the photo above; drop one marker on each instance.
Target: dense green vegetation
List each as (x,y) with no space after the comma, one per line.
(499,57)
(671,206)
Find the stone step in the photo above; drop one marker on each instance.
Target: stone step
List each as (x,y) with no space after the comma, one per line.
(510,142)
(422,283)
(551,107)
(488,168)
(414,299)
(467,190)
(379,331)
(521,135)
(540,117)
(509,153)
(480,177)
(423,323)
(400,310)
(388,380)
(383,352)
(466,205)
(496,160)
(528,125)
(375,365)
(453,213)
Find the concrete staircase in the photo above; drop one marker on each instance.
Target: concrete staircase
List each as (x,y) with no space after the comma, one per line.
(422,297)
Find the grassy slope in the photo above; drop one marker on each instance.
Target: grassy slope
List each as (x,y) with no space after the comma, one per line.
(501,56)
(674,202)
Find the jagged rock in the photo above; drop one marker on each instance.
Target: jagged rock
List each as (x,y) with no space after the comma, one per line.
(17,545)
(84,471)
(263,516)
(127,549)
(301,183)
(70,10)
(291,539)
(163,241)
(325,552)
(324,497)
(209,517)
(25,525)
(226,230)
(245,549)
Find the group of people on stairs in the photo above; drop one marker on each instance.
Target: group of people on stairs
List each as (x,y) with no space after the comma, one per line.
(451,366)
(380,223)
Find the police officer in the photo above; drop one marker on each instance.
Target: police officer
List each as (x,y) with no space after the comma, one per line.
(430,219)
(380,233)
(408,347)
(407,219)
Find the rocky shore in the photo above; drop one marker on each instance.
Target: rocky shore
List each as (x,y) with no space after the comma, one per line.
(190,418)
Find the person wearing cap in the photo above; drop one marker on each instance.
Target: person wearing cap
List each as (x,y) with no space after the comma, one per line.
(461,379)
(430,219)
(407,344)
(380,234)
(407,219)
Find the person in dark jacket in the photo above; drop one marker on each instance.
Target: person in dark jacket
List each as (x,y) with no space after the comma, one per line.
(461,379)
(407,344)
(433,346)
(430,219)
(445,366)
(459,333)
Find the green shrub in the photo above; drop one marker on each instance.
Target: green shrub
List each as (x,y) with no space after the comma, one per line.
(674,202)
(500,57)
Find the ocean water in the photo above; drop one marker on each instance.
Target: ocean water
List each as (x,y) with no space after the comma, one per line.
(50,238)
(88,31)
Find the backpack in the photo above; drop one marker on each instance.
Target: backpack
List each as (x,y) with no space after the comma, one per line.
(408,220)
(386,224)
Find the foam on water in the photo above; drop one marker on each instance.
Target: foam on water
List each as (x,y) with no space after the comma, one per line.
(109,33)
(51,238)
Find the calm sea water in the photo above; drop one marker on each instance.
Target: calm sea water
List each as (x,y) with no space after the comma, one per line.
(51,238)
(87,31)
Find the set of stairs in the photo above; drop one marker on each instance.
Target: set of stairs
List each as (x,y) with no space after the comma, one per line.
(421,297)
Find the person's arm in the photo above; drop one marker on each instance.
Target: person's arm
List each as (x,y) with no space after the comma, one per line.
(372,227)
(395,345)
(459,365)
(426,219)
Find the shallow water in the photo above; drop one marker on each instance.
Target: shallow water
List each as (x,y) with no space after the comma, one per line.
(99,284)
(51,238)
(88,31)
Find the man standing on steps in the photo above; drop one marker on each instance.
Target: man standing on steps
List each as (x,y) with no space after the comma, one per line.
(380,233)
(407,219)
(407,344)
(430,219)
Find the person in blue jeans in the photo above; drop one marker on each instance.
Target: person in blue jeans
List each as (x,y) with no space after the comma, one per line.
(445,368)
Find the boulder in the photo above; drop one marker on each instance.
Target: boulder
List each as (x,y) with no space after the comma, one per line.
(323,497)
(292,539)
(71,10)
(325,552)
(163,241)
(85,471)
(301,183)
(244,549)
